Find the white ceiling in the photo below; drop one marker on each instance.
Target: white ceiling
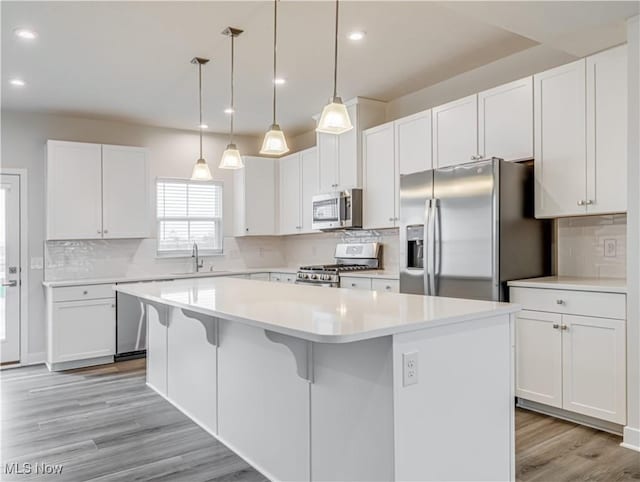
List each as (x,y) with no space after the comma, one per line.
(130,60)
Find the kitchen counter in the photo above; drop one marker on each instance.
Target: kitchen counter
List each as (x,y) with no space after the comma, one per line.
(603,285)
(330,316)
(357,385)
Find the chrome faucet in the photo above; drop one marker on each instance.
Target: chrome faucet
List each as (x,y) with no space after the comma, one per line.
(198,263)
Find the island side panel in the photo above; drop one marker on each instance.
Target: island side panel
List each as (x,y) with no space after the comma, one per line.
(263,401)
(352,411)
(157,347)
(192,366)
(461,407)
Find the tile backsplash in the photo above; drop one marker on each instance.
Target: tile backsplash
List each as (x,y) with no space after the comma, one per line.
(594,246)
(135,257)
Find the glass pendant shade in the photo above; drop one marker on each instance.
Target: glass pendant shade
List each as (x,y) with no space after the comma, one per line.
(334,118)
(231,158)
(274,143)
(201,171)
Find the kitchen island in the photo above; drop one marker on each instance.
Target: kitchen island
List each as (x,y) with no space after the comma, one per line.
(308,383)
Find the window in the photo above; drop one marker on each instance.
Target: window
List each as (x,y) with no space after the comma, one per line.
(189,212)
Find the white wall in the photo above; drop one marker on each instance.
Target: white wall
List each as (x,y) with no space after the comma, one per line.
(172,154)
(632,430)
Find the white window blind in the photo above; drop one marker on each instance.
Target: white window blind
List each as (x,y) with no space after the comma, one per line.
(189,212)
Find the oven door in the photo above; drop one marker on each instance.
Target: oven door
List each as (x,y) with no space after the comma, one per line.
(327,211)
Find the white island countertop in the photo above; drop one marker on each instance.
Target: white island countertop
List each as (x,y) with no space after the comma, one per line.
(325,315)
(603,285)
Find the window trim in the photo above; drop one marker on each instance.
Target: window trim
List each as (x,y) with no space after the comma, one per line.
(187,253)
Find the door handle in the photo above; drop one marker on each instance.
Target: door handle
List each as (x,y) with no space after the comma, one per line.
(437,246)
(425,252)
(10,284)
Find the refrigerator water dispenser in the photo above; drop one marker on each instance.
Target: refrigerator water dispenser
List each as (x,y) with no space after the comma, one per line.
(415,246)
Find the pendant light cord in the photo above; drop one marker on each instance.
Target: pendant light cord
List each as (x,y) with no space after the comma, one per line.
(233,107)
(275,47)
(335,58)
(200,103)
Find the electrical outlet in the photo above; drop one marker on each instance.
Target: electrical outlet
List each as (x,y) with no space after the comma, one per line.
(610,248)
(409,368)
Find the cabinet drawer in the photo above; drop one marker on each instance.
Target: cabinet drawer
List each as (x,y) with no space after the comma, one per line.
(388,285)
(276,277)
(355,283)
(603,305)
(289,278)
(86,292)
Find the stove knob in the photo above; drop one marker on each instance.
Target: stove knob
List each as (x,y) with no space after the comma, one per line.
(312,276)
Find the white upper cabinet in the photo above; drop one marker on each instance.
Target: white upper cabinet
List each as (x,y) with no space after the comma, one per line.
(380,177)
(413,143)
(560,140)
(581,135)
(125,192)
(505,121)
(96,192)
(607,132)
(74,190)
(310,185)
(255,197)
(455,132)
(290,194)
(340,156)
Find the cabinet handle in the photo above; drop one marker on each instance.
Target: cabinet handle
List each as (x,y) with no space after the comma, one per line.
(556,326)
(85,292)
(388,288)
(106,231)
(581,203)
(246,229)
(559,302)
(588,202)
(564,327)
(99,232)
(113,305)
(353,285)
(391,219)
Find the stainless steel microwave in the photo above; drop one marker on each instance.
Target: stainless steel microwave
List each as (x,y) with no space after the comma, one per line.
(337,210)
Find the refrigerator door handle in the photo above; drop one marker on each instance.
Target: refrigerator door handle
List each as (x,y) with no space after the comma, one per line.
(437,246)
(426,251)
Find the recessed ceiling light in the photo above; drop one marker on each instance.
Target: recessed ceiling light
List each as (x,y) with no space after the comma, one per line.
(203,126)
(25,34)
(279,81)
(17,82)
(228,110)
(356,35)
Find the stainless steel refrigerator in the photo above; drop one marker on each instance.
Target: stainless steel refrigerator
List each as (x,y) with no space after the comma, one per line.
(468,229)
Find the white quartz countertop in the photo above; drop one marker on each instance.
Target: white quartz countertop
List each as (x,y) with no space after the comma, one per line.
(326,315)
(202,274)
(606,285)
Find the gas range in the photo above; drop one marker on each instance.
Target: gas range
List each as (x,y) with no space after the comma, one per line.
(350,258)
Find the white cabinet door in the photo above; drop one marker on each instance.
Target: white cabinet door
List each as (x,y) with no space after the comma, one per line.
(125,192)
(379,177)
(192,366)
(505,121)
(255,197)
(74,190)
(290,192)
(594,374)
(455,132)
(607,131)
(539,357)
(560,141)
(413,143)
(349,156)
(388,285)
(83,329)
(355,282)
(310,185)
(328,159)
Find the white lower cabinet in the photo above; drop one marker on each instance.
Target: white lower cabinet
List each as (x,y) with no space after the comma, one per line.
(570,361)
(355,282)
(388,285)
(80,330)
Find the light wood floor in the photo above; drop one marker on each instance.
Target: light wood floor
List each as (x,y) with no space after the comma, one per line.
(105,424)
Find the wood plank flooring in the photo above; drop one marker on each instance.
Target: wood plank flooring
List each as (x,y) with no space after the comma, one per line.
(104,424)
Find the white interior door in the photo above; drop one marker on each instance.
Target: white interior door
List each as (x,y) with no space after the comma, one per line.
(9,268)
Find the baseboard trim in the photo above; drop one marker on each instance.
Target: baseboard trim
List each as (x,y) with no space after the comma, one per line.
(631,439)
(35,358)
(220,439)
(592,422)
(71,365)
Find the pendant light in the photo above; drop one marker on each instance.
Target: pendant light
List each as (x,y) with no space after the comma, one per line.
(201,170)
(231,158)
(335,118)
(274,143)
